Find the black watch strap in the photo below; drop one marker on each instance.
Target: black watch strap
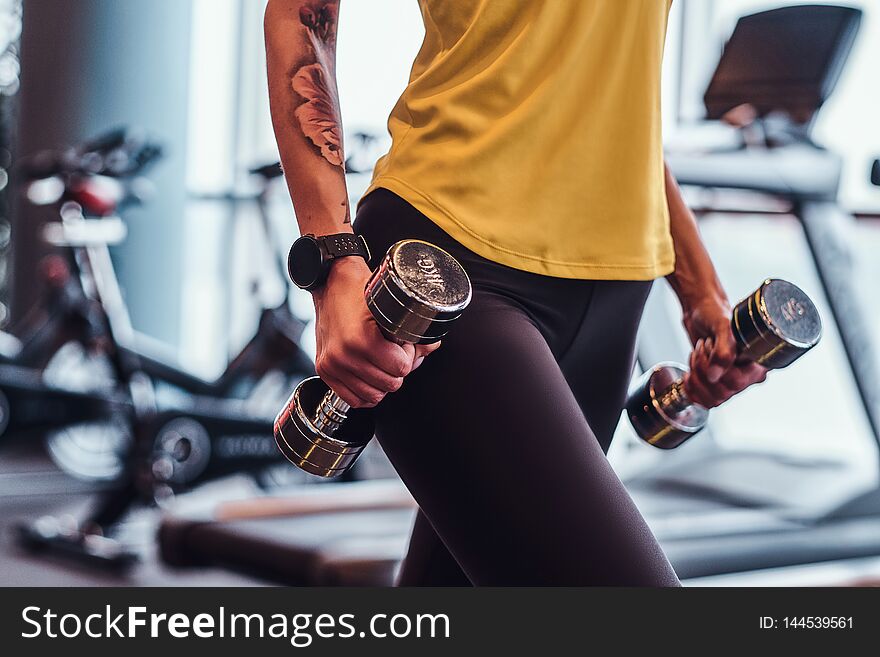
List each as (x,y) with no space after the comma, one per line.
(344,244)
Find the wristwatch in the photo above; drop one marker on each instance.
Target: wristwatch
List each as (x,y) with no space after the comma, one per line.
(310,257)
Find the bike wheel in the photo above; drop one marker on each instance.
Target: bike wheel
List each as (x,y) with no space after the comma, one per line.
(92,451)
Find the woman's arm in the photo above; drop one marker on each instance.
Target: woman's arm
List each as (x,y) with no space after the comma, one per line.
(301,67)
(352,356)
(716,374)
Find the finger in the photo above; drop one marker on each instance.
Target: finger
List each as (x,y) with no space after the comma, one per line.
(345,393)
(409,350)
(335,372)
(699,362)
(723,352)
(368,395)
(710,394)
(721,390)
(423,350)
(740,377)
(372,375)
(697,392)
(392,358)
(695,386)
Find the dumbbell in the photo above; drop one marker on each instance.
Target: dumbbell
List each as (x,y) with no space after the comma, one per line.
(414,295)
(773,326)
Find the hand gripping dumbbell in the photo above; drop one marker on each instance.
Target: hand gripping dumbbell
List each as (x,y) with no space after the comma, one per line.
(414,296)
(773,326)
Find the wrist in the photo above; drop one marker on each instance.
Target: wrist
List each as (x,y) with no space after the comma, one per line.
(704,297)
(713,302)
(344,272)
(311,259)
(695,289)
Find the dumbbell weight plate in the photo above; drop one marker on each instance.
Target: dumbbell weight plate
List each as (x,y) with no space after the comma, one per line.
(417,292)
(654,420)
(309,448)
(777,324)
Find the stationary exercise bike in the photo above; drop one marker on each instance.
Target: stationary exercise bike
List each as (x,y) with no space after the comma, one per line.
(63,343)
(146,449)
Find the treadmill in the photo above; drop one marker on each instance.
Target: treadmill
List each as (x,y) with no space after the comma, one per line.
(720,511)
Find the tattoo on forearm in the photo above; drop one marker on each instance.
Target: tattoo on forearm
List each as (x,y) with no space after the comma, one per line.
(318,115)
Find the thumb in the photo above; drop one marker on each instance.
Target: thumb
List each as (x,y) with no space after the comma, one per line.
(722,354)
(424,349)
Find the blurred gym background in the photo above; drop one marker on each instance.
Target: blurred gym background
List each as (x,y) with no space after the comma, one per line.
(142,126)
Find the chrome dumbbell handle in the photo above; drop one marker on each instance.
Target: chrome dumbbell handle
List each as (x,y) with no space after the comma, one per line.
(331,413)
(674,398)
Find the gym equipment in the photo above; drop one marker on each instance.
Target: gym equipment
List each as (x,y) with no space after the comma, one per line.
(773,326)
(275,346)
(735,509)
(27,403)
(106,421)
(789,165)
(365,547)
(296,537)
(764,66)
(414,295)
(92,182)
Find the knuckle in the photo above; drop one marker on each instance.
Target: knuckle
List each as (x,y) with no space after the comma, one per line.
(729,391)
(399,367)
(727,356)
(349,399)
(334,354)
(731,381)
(351,350)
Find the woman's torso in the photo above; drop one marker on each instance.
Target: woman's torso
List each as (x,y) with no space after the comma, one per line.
(530,132)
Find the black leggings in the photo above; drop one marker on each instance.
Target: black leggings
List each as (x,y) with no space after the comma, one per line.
(501,434)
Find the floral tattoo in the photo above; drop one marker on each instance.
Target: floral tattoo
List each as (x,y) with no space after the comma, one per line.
(318,116)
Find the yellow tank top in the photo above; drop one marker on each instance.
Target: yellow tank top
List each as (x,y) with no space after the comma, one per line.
(530,132)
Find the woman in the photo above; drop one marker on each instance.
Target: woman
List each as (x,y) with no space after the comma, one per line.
(527,144)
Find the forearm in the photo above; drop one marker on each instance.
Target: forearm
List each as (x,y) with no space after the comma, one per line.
(301,68)
(694,278)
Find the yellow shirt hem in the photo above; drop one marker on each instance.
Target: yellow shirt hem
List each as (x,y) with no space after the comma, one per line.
(506,256)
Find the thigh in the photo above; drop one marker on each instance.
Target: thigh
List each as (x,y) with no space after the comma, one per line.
(598,364)
(428,562)
(497,452)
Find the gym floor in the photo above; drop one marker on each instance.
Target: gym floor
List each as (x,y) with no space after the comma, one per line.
(31,486)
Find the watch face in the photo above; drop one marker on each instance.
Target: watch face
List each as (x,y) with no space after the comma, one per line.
(304,262)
